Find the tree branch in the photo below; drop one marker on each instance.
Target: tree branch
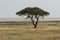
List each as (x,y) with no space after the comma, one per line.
(32,20)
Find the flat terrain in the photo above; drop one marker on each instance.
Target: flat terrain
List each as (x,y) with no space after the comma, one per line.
(27,32)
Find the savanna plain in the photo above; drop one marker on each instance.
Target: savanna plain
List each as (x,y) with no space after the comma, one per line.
(25,31)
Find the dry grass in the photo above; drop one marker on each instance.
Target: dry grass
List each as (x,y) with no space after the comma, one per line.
(27,32)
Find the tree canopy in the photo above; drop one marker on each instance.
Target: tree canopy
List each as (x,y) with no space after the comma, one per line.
(32,11)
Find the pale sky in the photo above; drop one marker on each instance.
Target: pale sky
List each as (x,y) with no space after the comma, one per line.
(8,8)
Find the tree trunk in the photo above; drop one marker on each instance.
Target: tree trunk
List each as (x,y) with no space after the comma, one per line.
(34,22)
(35,25)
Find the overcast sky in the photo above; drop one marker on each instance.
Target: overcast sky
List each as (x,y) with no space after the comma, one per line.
(8,8)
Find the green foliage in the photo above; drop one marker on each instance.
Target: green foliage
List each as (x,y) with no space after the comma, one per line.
(32,11)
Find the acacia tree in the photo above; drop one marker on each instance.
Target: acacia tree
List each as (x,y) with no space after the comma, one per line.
(33,13)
